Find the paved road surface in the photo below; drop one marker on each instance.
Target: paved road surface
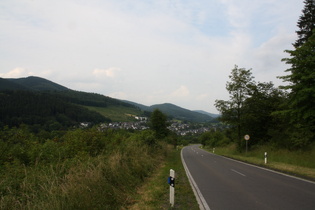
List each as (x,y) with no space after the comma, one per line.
(227,184)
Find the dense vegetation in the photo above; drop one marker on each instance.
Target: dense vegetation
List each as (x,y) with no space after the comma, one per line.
(78,169)
(280,117)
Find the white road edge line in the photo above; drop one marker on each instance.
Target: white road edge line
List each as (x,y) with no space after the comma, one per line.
(200,199)
(238,172)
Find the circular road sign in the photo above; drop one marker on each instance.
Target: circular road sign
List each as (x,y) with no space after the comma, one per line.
(246,137)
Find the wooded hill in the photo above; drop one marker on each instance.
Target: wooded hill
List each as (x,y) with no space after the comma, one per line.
(177,112)
(41,103)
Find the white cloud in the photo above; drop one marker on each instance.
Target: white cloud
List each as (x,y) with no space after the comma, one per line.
(118,95)
(110,72)
(14,73)
(23,72)
(202,97)
(181,92)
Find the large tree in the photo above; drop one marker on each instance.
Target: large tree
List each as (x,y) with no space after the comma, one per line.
(239,87)
(301,75)
(258,120)
(158,123)
(302,83)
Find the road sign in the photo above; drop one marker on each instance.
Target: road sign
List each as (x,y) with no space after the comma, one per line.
(246,137)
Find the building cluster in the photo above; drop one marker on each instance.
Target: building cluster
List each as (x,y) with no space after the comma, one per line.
(183,129)
(142,125)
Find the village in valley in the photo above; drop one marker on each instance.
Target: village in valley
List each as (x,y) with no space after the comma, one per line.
(178,127)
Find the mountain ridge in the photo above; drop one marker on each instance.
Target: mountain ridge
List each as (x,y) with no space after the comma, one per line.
(39,84)
(34,83)
(177,112)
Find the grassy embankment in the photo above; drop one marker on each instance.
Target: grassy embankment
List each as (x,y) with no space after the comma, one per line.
(155,193)
(299,163)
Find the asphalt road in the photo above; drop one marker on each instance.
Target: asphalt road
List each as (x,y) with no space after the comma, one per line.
(227,184)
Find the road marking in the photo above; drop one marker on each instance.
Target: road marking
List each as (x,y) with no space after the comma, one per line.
(238,172)
(200,199)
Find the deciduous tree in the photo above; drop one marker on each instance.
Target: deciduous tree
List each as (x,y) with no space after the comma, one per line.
(158,123)
(239,87)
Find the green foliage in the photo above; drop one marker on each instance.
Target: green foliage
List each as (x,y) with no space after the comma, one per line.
(239,87)
(302,83)
(258,108)
(300,106)
(82,169)
(158,123)
(214,139)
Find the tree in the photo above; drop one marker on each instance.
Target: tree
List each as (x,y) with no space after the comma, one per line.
(258,110)
(302,84)
(239,87)
(301,79)
(158,123)
(306,23)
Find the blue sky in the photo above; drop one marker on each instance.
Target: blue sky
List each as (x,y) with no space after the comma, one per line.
(147,51)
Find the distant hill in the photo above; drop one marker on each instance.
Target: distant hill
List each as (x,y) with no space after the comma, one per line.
(32,83)
(207,113)
(181,113)
(38,84)
(176,112)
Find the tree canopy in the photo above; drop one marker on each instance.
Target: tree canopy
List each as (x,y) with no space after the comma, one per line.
(158,123)
(239,87)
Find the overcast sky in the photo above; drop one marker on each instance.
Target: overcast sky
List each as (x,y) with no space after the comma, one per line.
(147,51)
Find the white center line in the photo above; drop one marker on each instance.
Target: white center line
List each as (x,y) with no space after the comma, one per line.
(238,172)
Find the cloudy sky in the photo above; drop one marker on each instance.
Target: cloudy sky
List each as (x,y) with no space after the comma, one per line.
(147,51)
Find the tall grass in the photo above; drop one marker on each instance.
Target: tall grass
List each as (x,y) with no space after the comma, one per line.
(80,178)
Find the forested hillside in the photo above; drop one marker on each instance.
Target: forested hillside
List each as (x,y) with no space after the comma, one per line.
(44,110)
(43,104)
(176,112)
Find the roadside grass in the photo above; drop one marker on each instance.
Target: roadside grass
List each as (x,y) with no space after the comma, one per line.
(298,163)
(155,193)
(116,113)
(83,178)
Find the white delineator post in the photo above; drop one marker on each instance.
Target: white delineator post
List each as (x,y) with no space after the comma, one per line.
(265,157)
(172,187)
